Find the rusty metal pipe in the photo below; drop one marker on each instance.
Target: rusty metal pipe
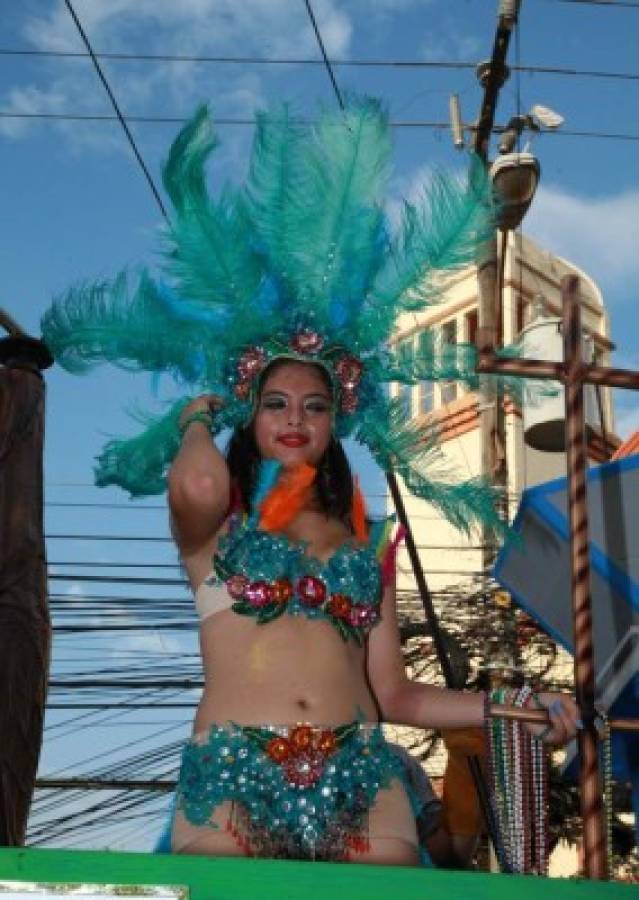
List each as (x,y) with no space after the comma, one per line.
(489,362)
(532,368)
(525,714)
(595,859)
(619,378)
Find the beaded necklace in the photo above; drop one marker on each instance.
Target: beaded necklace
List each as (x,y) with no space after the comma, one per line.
(607,792)
(519,774)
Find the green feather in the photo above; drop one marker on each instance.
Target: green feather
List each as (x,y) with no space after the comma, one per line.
(458,362)
(274,180)
(209,249)
(413,453)
(183,172)
(336,215)
(110,322)
(440,234)
(139,464)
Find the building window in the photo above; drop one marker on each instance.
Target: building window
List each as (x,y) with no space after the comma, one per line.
(448,389)
(426,348)
(405,352)
(472,322)
(520,317)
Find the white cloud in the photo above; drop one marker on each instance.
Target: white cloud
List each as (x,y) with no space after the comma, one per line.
(394,5)
(596,233)
(405,188)
(448,42)
(192,27)
(151,642)
(411,188)
(74,592)
(29,99)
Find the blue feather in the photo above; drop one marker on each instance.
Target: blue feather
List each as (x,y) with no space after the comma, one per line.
(217,318)
(268,297)
(266,480)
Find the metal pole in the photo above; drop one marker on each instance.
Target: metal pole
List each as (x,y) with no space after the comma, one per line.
(492,76)
(595,859)
(442,655)
(424,593)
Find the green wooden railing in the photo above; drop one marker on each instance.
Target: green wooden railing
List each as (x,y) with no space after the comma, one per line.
(210,878)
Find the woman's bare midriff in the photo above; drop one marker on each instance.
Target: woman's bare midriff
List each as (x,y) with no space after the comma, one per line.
(288,671)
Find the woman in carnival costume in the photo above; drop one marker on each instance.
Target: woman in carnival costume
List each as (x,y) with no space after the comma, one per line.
(276,309)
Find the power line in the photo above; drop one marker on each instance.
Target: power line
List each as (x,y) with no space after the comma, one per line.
(84,117)
(107,537)
(118,579)
(125,704)
(327,63)
(114,103)
(305,61)
(103,784)
(97,564)
(177,120)
(624,3)
(135,506)
(123,683)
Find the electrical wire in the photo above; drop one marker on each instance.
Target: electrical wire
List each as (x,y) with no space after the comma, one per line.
(437,126)
(628,4)
(329,68)
(335,63)
(118,113)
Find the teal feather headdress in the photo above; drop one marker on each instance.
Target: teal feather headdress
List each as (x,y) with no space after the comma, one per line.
(297,262)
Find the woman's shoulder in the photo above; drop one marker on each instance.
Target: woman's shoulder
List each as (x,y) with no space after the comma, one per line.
(198,563)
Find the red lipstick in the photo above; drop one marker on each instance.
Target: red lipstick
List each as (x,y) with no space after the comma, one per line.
(293,439)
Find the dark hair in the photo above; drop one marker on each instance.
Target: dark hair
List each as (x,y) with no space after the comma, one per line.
(334,481)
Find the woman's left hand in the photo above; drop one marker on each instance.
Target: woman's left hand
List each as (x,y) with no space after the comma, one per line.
(564,718)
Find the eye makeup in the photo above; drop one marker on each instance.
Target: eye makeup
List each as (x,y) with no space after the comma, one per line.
(313,403)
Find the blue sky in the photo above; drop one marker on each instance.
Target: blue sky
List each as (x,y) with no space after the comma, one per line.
(75,205)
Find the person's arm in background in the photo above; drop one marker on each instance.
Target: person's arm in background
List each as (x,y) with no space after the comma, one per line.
(447,849)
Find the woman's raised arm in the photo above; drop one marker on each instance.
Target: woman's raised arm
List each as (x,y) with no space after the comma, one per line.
(199,484)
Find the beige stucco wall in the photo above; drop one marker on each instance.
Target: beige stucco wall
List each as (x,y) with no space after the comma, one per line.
(532,277)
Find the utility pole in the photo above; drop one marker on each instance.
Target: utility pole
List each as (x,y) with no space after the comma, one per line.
(492,75)
(24,619)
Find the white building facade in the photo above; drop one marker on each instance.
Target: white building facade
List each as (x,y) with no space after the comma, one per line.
(531,288)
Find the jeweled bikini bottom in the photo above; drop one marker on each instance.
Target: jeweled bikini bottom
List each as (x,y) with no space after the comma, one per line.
(296,793)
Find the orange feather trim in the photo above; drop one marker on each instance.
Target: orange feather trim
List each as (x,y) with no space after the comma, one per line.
(287,498)
(358,514)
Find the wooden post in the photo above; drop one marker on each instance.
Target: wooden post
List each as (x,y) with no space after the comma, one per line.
(24,619)
(573,373)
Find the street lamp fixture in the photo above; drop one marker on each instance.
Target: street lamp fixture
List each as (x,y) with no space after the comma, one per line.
(515,177)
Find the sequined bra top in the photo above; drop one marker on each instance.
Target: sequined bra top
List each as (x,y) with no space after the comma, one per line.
(266,575)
